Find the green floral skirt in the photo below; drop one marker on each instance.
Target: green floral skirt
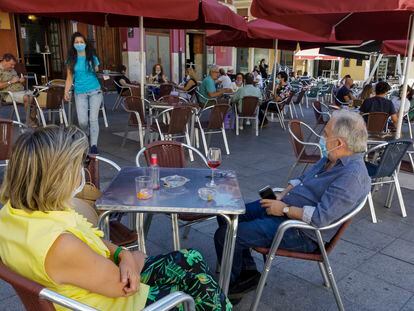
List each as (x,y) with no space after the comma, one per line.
(185,271)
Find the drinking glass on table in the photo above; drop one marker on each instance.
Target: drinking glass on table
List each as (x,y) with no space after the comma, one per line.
(213,161)
(143,186)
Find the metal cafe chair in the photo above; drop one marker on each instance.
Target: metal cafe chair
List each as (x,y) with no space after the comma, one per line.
(6,139)
(249,111)
(36,297)
(54,103)
(134,106)
(376,121)
(321,112)
(207,101)
(280,107)
(298,102)
(382,169)
(214,125)
(125,90)
(341,103)
(178,126)
(320,256)
(171,154)
(299,145)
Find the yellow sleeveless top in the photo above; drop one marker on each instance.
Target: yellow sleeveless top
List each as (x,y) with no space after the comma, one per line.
(25,239)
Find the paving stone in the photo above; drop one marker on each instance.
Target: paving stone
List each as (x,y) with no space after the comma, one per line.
(409,306)
(349,255)
(401,249)
(6,290)
(391,270)
(11,303)
(372,293)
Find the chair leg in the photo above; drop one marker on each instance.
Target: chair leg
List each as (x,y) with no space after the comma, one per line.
(324,275)
(205,145)
(65,119)
(141,135)
(42,117)
(125,136)
(187,138)
(301,110)
(197,138)
(16,111)
(60,116)
(262,282)
(104,115)
(329,272)
(176,233)
(257,125)
(390,196)
(117,103)
(237,125)
(226,144)
(371,208)
(399,195)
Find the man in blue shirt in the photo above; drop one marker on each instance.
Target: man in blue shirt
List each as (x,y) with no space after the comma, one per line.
(332,188)
(208,86)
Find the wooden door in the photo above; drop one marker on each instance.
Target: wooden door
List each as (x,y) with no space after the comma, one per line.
(108,47)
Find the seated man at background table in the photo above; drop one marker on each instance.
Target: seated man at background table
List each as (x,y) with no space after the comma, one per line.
(208,86)
(11,82)
(224,79)
(332,188)
(379,103)
(344,94)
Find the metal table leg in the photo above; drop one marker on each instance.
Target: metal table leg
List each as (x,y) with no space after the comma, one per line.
(228,251)
(140,232)
(176,233)
(192,136)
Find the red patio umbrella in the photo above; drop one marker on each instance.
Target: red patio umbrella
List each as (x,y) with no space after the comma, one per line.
(350,19)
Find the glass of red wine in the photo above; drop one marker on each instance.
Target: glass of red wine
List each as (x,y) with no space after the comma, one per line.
(213,161)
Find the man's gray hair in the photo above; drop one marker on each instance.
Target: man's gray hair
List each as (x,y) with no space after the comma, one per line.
(352,128)
(213,67)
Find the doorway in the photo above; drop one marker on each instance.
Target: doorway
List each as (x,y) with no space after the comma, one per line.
(158,52)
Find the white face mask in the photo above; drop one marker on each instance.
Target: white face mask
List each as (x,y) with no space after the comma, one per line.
(82,184)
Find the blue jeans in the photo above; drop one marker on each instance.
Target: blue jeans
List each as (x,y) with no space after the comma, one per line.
(87,108)
(257,229)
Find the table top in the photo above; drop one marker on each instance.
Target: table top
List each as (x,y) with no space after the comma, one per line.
(121,193)
(111,74)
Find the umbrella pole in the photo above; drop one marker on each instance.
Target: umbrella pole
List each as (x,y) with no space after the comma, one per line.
(142,56)
(274,65)
(407,67)
(371,75)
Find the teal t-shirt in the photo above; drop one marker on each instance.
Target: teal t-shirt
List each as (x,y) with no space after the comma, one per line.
(85,79)
(207,86)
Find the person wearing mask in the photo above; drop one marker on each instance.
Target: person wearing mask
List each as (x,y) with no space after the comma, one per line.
(263,68)
(396,100)
(82,65)
(158,75)
(11,82)
(238,82)
(208,86)
(379,103)
(344,94)
(224,80)
(329,190)
(122,80)
(46,240)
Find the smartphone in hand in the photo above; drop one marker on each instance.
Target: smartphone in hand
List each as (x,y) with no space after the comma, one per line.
(267,193)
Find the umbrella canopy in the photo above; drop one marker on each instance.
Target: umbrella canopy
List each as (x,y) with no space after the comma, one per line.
(262,33)
(350,19)
(183,14)
(314,54)
(395,47)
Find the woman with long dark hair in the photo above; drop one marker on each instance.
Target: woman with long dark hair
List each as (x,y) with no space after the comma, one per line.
(82,65)
(158,75)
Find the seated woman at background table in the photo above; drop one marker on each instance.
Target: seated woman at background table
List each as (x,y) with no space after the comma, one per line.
(158,75)
(45,240)
(190,83)
(238,83)
(396,100)
(367,92)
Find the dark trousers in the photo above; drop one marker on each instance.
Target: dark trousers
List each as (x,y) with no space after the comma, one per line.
(257,229)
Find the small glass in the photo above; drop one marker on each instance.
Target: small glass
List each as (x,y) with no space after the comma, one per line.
(143,186)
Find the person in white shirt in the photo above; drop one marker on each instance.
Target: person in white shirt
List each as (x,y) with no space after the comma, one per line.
(258,78)
(224,79)
(396,100)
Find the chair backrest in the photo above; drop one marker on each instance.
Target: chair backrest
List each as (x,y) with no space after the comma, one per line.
(135,90)
(390,157)
(313,92)
(6,138)
(289,99)
(55,96)
(299,97)
(58,82)
(295,129)
(217,115)
(166,89)
(20,68)
(106,84)
(249,106)
(376,121)
(169,154)
(179,119)
(317,110)
(92,166)
(134,103)
(27,290)
(172,100)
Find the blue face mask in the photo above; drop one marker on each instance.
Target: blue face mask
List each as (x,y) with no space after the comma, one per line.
(322,144)
(80,47)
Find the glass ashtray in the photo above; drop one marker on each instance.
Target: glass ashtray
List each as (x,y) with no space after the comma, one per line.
(207,194)
(174,181)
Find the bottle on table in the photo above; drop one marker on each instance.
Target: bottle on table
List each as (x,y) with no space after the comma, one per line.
(155,172)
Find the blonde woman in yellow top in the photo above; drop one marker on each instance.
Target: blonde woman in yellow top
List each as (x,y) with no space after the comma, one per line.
(45,240)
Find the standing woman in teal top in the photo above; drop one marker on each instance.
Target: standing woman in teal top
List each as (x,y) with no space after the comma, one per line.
(81,72)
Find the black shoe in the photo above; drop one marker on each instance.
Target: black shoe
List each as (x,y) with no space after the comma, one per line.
(247,281)
(94,150)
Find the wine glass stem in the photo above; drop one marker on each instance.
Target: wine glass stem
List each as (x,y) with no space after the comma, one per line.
(212,176)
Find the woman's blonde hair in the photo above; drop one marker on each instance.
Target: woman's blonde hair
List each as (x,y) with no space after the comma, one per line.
(44,169)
